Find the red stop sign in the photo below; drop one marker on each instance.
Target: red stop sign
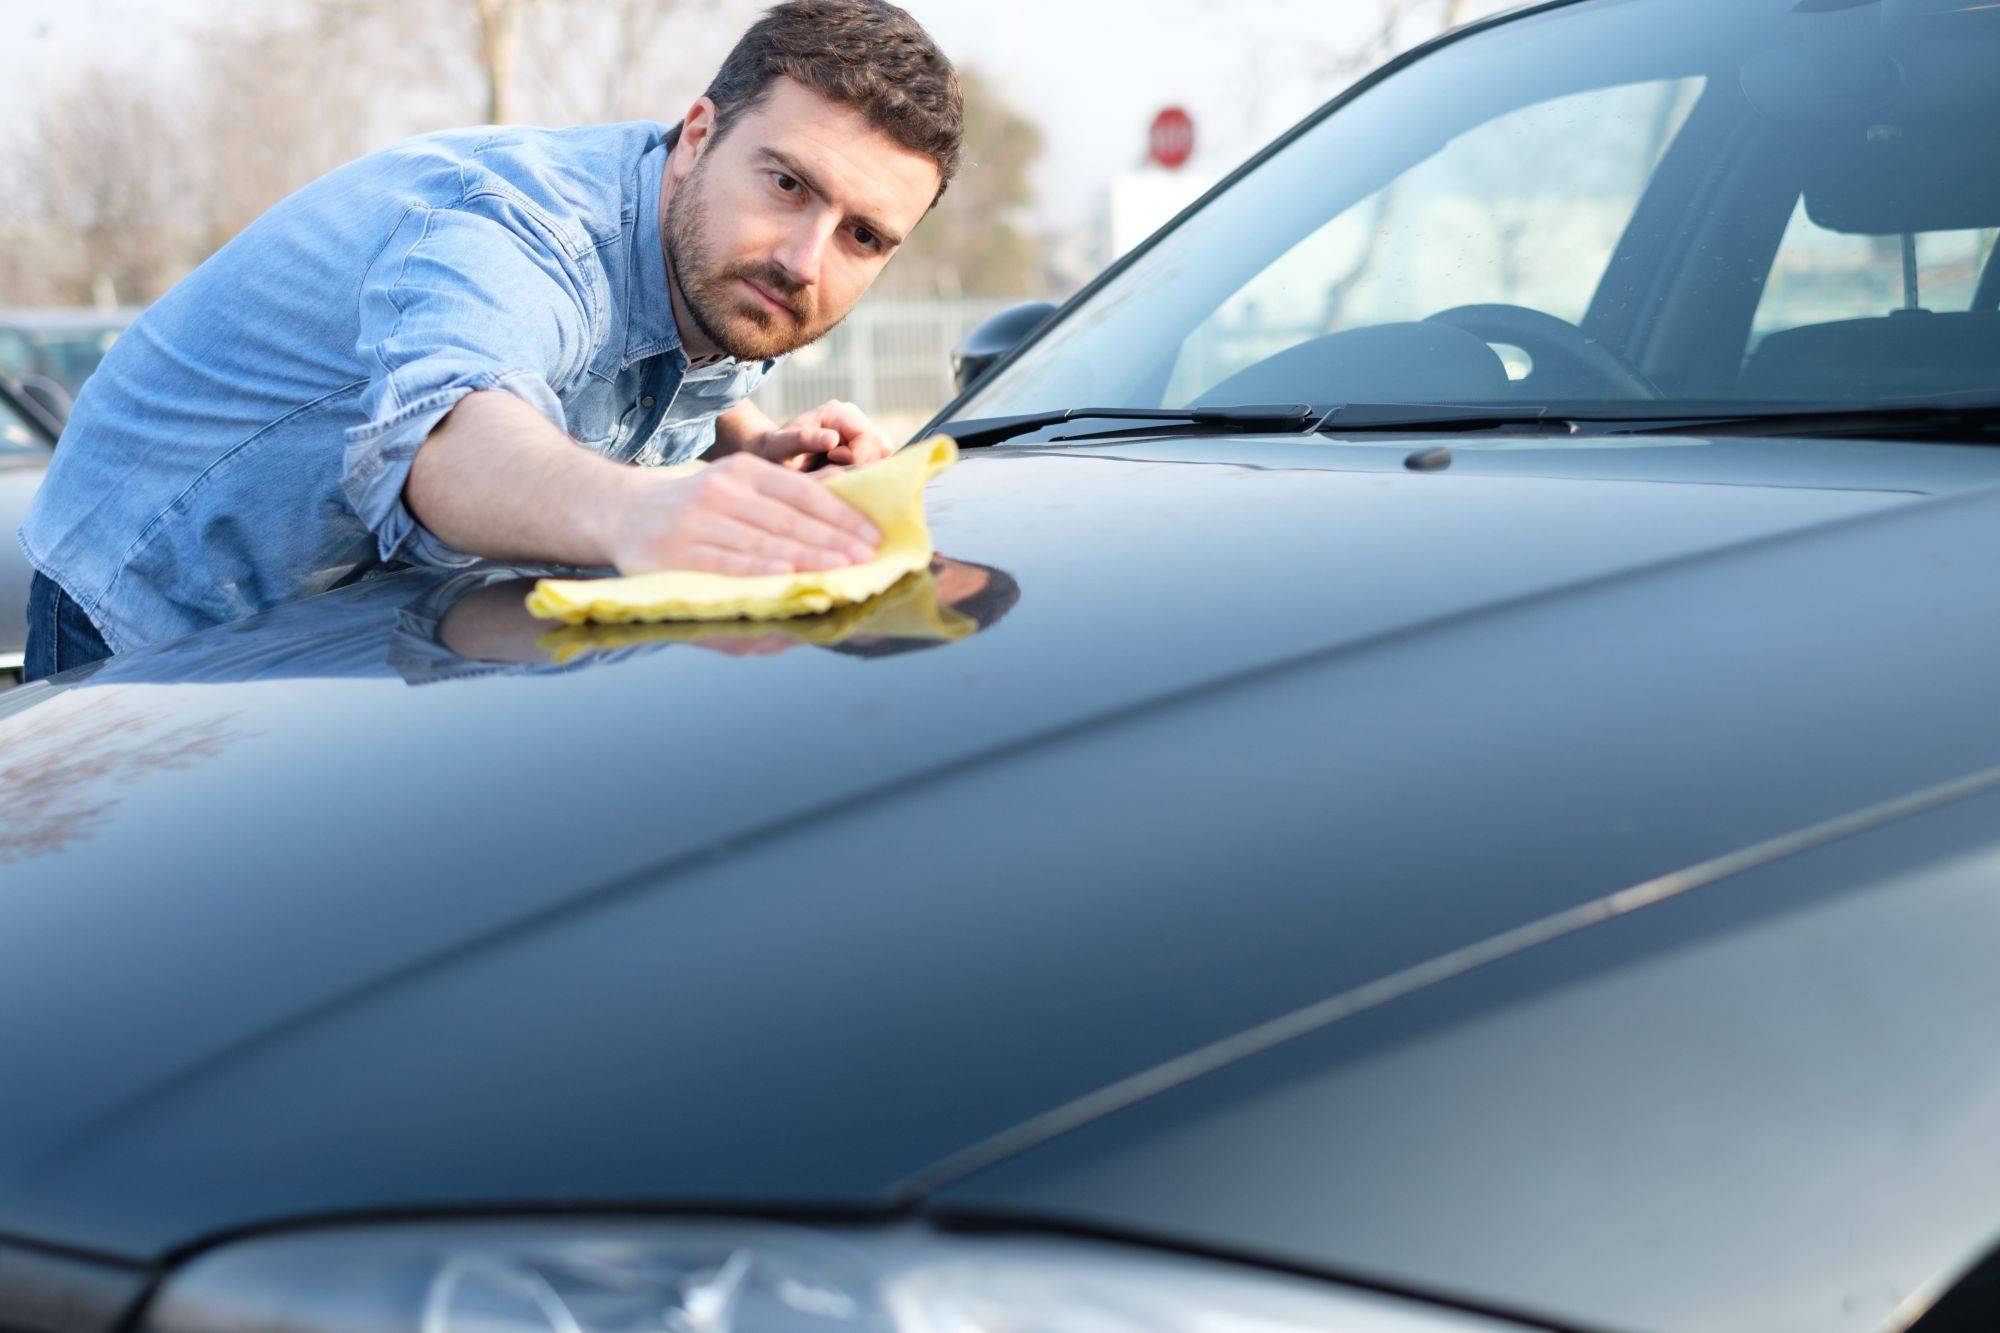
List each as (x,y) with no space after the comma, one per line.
(1171,140)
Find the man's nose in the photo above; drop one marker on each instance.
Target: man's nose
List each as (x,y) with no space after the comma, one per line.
(803,248)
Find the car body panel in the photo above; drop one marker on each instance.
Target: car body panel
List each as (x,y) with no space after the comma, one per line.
(1554,877)
(20,478)
(1752,1106)
(27,442)
(579,903)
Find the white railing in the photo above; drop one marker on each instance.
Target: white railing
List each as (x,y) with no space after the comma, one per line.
(892,359)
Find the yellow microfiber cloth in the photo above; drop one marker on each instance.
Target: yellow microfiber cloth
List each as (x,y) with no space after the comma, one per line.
(890,493)
(908,610)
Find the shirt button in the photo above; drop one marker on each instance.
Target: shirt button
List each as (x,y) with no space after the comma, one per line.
(647,401)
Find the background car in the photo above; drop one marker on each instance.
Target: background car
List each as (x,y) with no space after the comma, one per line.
(58,344)
(26,439)
(1480,812)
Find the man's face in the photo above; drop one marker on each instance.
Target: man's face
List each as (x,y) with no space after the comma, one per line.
(957,580)
(774,231)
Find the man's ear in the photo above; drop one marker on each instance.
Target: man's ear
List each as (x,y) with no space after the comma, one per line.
(697,129)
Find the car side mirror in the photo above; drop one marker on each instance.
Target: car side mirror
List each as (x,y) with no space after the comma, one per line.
(46,397)
(994,337)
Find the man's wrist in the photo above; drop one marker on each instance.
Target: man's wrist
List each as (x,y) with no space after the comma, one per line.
(597,507)
(742,429)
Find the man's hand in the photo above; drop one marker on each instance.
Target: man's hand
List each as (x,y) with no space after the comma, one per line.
(762,645)
(743,515)
(835,433)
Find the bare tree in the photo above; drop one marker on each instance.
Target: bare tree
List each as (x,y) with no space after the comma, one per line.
(551,61)
(594,60)
(101,182)
(1399,25)
(118,188)
(66,765)
(977,241)
(500,53)
(275,104)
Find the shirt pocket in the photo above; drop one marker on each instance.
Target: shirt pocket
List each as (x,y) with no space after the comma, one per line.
(706,395)
(679,440)
(595,427)
(592,419)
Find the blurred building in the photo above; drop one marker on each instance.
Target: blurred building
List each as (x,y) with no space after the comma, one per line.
(1142,201)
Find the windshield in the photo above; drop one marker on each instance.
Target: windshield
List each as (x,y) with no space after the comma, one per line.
(66,354)
(19,441)
(1632,207)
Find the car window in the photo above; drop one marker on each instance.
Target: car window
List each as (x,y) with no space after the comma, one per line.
(70,355)
(18,440)
(1586,208)
(1821,276)
(1522,210)
(17,354)
(67,352)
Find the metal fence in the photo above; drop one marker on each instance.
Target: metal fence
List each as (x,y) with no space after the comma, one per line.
(890,358)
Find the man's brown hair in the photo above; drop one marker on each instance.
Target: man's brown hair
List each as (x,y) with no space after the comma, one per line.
(866,54)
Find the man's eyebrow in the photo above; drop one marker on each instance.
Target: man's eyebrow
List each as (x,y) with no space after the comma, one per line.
(798,173)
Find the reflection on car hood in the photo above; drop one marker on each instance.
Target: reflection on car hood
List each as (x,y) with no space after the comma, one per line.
(1269,718)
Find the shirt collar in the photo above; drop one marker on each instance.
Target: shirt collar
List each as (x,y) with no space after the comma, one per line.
(649,308)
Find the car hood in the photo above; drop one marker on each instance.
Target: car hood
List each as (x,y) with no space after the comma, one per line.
(313,919)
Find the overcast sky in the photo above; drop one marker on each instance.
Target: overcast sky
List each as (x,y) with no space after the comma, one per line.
(1091,72)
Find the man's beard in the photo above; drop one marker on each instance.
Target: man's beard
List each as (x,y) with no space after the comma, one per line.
(731,318)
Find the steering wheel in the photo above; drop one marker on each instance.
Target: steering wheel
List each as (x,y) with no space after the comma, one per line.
(1577,365)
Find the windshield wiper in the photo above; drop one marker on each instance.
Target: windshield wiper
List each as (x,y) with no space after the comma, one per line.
(1972,423)
(1361,418)
(1425,419)
(1967,422)
(979,432)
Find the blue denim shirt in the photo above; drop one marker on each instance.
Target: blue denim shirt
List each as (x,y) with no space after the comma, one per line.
(245,442)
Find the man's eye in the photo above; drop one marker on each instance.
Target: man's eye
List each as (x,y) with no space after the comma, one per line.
(785,183)
(868,238)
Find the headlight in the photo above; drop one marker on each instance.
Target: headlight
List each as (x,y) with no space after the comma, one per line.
(727,1277)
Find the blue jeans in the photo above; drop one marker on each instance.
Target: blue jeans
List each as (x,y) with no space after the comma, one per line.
(60,635)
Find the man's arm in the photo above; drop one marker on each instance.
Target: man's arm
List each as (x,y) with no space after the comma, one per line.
(835,432)
(467,325)
(739,429)
(497,479)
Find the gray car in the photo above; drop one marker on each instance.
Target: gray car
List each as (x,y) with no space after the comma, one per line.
(59,344)
(27,437)
(1447,778)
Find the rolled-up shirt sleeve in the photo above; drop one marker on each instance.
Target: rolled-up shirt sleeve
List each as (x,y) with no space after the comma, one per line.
(458,301)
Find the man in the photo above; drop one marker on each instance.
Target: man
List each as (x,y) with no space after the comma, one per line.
(398,363)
